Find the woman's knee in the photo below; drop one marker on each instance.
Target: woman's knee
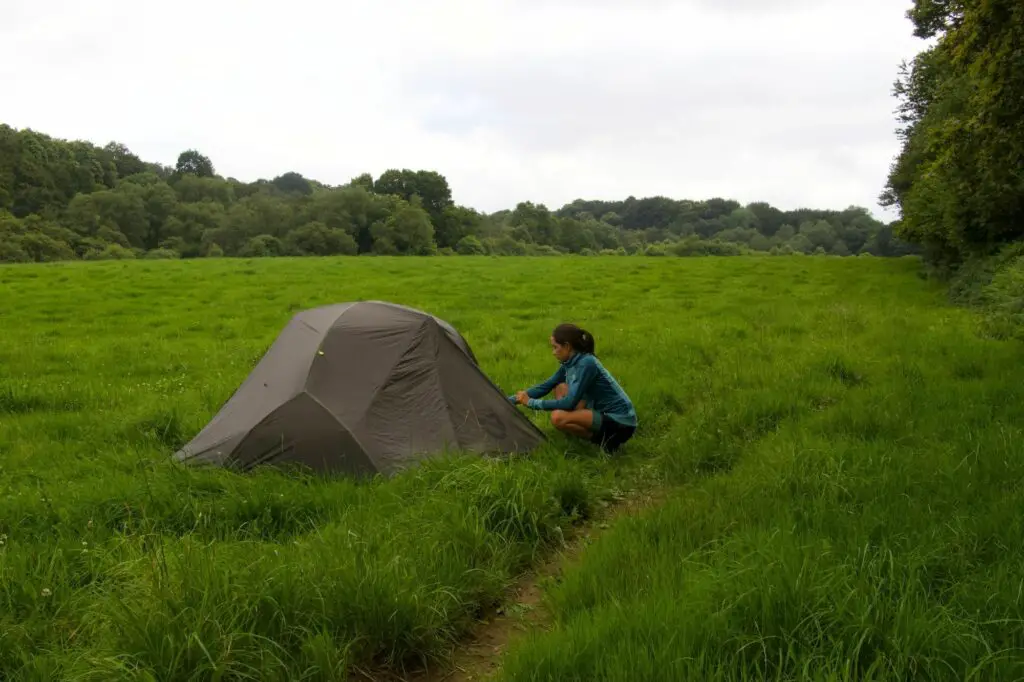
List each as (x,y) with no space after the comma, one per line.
(559,418)
(562,390)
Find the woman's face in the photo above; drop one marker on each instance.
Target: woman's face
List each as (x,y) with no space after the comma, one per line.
(561,351)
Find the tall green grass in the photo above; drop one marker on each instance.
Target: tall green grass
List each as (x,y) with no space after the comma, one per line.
(767,388)
(849,510)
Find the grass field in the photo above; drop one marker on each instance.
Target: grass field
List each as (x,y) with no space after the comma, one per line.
(841,454)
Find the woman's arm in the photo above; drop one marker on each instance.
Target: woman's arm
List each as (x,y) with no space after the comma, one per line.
(584,378)
(545,387)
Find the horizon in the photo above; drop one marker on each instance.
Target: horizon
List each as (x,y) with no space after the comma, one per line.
(506,117)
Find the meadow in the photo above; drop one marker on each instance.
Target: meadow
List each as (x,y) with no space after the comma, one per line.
(837,451)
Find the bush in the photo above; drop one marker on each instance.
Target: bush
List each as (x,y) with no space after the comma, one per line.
(109,252)
(11,252)
(993,285)
(262,246)
(542,250)
(42,248)
(162,254)
(1004,301)
(470,245)
(968,284)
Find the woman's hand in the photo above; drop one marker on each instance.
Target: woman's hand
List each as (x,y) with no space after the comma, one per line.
(521,397)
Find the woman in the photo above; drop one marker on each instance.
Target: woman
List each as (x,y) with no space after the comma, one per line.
(588,402)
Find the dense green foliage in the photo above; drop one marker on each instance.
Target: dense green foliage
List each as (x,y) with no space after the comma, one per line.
(64,200)
(848,450)
(959,179)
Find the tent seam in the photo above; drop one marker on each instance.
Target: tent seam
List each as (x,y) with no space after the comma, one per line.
(320,340)
(366,453)
(441,386)
(387,378)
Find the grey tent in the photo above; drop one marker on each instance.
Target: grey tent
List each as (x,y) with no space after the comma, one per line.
(362,388)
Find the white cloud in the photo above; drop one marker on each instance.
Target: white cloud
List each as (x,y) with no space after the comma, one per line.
(783,101)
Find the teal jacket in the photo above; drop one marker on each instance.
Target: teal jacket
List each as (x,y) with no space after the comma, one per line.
(587,380)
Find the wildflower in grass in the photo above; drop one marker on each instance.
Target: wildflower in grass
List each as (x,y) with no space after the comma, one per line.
(46,592)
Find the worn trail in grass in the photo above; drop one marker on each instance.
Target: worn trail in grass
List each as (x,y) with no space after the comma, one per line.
(116,563)
(478,655)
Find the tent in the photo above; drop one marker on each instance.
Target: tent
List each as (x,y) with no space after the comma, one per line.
(362,388)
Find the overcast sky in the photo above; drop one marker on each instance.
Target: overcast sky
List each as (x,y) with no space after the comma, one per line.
(786,101)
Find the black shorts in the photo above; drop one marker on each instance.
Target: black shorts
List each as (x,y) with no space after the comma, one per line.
(612,434)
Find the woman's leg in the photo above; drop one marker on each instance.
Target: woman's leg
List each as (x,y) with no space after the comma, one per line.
(578,422)
(561,390)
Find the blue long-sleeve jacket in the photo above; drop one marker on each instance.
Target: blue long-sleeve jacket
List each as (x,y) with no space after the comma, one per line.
(587,380)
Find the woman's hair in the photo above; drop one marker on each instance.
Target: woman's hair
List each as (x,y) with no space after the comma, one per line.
(581,340)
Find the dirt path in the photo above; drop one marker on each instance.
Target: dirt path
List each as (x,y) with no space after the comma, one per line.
(479,657)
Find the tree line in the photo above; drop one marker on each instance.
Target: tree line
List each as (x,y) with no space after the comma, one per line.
(958,180)
(62,200)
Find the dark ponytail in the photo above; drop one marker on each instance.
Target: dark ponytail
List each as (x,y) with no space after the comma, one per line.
(581,340)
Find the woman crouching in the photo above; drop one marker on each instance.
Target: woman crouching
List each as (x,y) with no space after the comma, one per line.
(588,402)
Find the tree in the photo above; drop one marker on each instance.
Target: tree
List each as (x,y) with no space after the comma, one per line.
(364,180)
(121,210)
(159,201)
(194,189)
(649,212)
(125,162)
(931,17)
(185,229)
(316,239)
(769,218)
(292,183)
(760,243)
(430,186)
(353,209)
(801,244)
(454,224)
(574,237)
(786,232)
(958,180)
(743,218)
(537,221)
(191,162)
(407,231)
(820,233)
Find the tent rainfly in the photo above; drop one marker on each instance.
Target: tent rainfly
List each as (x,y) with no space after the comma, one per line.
(362,388)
